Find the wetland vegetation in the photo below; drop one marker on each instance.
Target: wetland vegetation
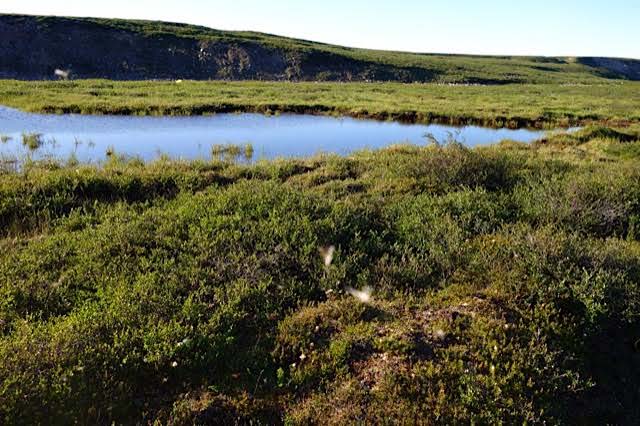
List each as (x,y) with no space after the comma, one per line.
(198,137)
(513,106)
(505,287)
(433,283)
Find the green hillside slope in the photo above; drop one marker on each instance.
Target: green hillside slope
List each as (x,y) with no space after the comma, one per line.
(32,47)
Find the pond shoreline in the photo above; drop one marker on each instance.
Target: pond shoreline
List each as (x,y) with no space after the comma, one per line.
(270,135)
(511,106)
(405,117)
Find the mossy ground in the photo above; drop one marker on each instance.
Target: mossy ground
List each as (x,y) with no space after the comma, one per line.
(506,288)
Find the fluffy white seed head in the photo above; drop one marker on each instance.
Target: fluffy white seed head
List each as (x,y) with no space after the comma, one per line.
(364,295)
(326,253)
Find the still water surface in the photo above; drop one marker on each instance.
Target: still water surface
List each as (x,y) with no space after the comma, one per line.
(89,137)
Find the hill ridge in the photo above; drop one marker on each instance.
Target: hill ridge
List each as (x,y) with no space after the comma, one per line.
(32,47)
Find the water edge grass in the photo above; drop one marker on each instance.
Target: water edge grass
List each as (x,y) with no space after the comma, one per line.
(33,141)
(232,152)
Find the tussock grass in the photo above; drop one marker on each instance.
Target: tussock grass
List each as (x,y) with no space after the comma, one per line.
(502,284)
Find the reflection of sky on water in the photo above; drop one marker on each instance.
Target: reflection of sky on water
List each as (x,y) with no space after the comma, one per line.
(285,135)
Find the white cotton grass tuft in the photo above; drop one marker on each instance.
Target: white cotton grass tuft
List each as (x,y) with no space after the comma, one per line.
(440,334)
(363,295)
(326,253)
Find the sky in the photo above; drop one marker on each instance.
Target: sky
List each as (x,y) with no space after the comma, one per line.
(518,27)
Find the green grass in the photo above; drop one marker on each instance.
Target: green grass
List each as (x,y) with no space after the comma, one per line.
(33,141)
(232,152)
(506,287)
(495,106)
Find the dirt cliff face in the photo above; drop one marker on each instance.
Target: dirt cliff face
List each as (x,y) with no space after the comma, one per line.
(31,48)
(616,68)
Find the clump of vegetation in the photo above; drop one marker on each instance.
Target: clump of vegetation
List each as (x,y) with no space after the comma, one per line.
(33,141)
(8,163)
(504,288)
(231,152)
(248,151)
(5,138)
(590,134)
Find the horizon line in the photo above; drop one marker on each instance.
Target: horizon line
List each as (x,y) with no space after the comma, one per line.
(293,37)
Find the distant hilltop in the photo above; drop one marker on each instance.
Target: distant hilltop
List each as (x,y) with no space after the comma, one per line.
(45,47)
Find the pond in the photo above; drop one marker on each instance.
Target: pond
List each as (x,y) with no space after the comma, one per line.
(89,138)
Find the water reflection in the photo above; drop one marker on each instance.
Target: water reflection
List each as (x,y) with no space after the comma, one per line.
(244,136)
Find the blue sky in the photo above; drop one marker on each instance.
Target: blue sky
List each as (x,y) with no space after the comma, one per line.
(525,27)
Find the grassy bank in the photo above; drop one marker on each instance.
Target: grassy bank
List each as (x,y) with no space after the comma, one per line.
(505,288)
(493,106)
